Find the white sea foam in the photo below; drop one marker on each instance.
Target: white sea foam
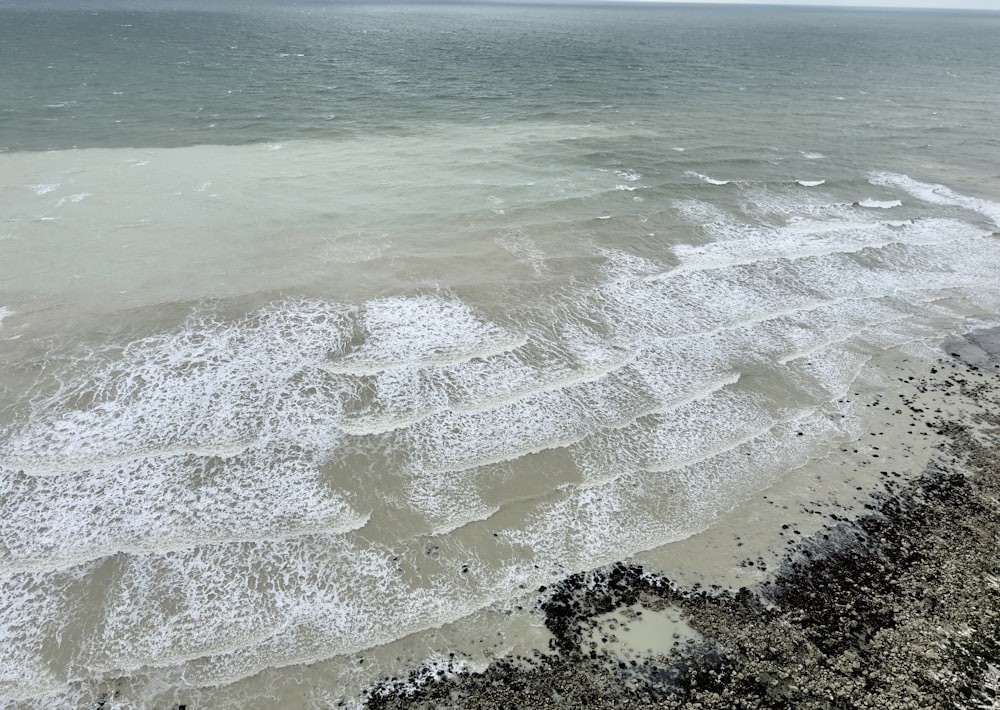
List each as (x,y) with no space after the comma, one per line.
(765,206)
(34,607)
(45,188)
(733,441)
(810,183)
(802,238)
(880,204)
(828,373)
(149,461)
(582,358)
(227,611)
(628,175)
(701,212)
(937,194)
(164,504)
(706,178)
(214,476)
(5,313)
(674,437)
(422,331)
(638,509)
(449,501)
(208,388)
(403,397)
(452,441)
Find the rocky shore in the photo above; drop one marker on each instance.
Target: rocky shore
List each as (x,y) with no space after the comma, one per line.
(896,607)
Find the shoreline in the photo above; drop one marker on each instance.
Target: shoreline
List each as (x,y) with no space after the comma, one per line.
(890,601)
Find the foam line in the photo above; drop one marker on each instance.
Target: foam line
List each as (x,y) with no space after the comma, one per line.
(452,442)
(420,331)
(202,488)
(638,510)
(165,504)
(686,431)
(619,518)
(828,374)
(402,398)
(937,194)
(225,612)
(208,387)
(725,447)
(825,343)
(592,362)
(824,238)
(358,365)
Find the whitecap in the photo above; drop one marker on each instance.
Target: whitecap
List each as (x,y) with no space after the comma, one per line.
(880,204)
(810,183)
(937,194)
(706,178)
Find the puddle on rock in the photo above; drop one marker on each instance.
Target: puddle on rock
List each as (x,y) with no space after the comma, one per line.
(636,632)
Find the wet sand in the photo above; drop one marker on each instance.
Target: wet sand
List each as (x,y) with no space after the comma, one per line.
(807,599)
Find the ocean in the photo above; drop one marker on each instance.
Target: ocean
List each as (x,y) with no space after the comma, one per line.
(329,334)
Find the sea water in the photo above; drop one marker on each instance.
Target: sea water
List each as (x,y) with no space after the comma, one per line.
(330,333)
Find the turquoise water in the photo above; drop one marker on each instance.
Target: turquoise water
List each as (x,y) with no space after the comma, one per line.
(328,332)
